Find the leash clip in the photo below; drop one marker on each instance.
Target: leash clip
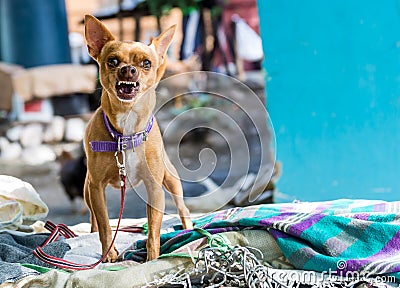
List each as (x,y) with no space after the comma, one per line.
(145,135)
(121,145)
(121,166)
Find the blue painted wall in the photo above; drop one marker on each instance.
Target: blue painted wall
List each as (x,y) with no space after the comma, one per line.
(333,94)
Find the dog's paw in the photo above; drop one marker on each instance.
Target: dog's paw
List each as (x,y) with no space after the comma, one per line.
(152,256)
(112,256)
(187,223)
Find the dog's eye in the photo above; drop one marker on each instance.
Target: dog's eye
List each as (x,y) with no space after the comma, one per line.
(112,62)
(146,64)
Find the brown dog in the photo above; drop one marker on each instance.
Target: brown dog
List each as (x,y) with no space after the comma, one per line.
(129,72)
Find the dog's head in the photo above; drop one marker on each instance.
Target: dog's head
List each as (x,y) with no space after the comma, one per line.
(127,69)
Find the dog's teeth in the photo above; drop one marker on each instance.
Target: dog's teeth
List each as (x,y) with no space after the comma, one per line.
(127,83)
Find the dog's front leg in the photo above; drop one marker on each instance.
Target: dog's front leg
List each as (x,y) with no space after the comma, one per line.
(93,221)
(155,211)
(172,183)
(99,216)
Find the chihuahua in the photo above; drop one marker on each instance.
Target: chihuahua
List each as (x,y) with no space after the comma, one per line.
(129,72)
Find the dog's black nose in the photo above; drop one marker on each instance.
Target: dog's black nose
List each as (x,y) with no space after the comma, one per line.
(128,71)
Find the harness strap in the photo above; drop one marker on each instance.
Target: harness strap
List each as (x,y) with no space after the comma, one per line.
(121,142)
(62,229)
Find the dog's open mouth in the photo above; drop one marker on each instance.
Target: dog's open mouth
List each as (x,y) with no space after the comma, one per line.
(126,90)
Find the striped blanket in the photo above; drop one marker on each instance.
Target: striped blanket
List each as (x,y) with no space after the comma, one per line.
(341,237)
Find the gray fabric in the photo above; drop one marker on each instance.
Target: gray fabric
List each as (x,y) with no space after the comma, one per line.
(87,248)
(13,272)
(16,249)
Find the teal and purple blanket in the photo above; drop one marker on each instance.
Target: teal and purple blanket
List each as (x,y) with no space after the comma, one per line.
(343,236)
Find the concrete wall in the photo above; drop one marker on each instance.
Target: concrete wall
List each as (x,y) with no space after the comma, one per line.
(334,96)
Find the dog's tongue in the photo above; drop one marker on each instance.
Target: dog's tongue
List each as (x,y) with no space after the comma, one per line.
(128,89)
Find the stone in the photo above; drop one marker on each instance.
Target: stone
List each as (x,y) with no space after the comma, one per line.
(32,135)
(54,132)
(9,151)
(3,143)
(37,155)
(74,129)
(13,134)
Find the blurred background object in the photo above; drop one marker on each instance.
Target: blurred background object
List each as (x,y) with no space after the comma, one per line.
(50,87)
(34,32)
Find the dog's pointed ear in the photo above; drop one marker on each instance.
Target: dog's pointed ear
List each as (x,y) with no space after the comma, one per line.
(97,35)
(162,42)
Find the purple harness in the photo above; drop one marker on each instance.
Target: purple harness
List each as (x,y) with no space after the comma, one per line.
(121,142)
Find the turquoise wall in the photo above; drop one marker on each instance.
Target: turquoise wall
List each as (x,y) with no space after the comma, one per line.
(333,94)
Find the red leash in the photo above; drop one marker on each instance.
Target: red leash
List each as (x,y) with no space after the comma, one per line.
(62,229)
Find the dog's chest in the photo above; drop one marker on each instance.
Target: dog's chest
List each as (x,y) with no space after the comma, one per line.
(132,165)
(128,120)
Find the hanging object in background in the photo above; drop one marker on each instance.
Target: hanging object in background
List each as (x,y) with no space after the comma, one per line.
(248,42)
(34,32)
